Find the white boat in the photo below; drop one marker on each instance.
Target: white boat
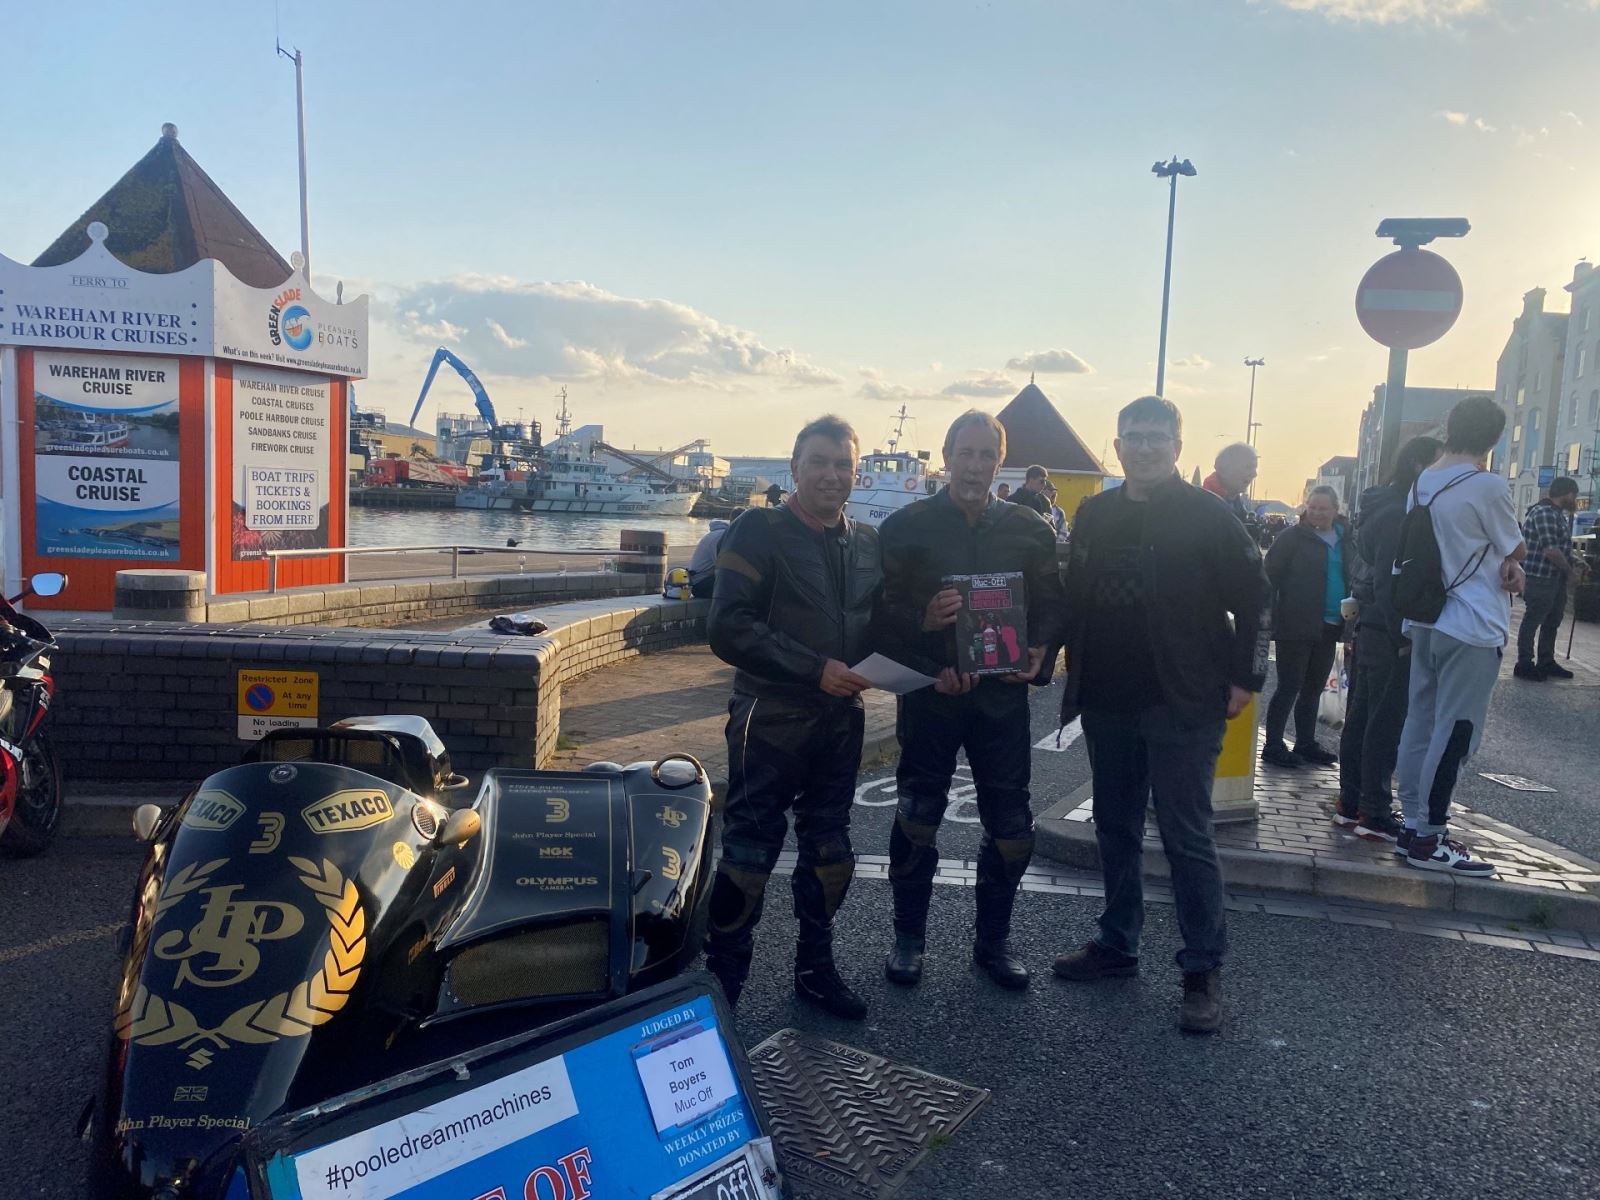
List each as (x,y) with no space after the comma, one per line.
(891,479)
(573,485)
(86,433)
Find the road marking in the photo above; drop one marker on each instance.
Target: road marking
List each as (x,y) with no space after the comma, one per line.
(1517,783)
(58,941)
(963,796)
(1062,739)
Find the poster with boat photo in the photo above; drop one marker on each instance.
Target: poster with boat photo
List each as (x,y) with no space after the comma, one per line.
(106,461)
(281,455)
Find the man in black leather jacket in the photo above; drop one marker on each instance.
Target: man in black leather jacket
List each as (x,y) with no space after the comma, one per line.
(963,531)
(1164,645)
(795,590)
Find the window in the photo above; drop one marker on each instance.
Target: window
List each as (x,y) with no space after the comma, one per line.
(1538,382)
(1515,469)
(1572,408)
(1583,353)
(1583,324)
(1516,434)
(1574,457)
(1594,406)
(1533,422)
(1527,496)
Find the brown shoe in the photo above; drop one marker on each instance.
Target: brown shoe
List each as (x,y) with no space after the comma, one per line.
(1202,1001)
(1094,962)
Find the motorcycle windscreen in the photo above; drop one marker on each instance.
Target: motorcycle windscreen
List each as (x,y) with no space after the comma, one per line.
(260,916)
(549,915)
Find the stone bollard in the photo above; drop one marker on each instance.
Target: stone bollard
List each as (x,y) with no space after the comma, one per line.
(648,558)
(160,595)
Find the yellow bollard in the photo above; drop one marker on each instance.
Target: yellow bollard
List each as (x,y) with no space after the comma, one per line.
(1233,789)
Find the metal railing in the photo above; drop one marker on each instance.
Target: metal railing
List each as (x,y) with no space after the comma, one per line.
(455,552)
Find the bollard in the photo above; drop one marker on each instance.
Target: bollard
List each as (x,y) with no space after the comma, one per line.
(159,595)
(1233,789)
(646,551)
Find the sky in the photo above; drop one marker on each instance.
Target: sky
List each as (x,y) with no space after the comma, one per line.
(719,220)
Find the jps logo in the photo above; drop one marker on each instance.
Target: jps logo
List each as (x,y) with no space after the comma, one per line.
(344,811)
(212,810)
(228,932)
(557,810)
(555,851)
(671,817)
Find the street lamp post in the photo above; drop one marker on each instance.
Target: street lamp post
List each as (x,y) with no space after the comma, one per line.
(1170,172)
(300,115)
(1250,420)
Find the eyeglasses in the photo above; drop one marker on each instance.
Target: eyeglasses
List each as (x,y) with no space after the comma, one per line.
(1146,441)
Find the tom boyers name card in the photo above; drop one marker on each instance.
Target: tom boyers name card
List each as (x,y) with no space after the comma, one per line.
(991,629)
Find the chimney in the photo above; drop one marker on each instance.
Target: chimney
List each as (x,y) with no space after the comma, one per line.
(1533,302)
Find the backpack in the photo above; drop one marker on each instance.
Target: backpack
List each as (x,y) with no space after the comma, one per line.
(1419,590)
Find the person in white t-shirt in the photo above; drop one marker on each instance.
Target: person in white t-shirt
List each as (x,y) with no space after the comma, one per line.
(1455,661)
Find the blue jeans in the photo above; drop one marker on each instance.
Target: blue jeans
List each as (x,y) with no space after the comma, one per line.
(1134,757)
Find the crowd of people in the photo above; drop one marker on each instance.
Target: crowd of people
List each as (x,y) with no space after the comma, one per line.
(1164,610)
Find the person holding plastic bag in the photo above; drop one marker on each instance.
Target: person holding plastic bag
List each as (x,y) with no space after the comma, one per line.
(1309,568)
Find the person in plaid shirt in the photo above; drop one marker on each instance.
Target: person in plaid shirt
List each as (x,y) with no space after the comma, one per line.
(1547,530)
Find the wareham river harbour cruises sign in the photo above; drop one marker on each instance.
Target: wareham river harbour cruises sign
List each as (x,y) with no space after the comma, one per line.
(96,302)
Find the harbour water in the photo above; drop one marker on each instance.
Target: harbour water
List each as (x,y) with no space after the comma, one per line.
(533,531)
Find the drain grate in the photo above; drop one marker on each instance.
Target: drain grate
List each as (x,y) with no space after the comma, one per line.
(850,1124)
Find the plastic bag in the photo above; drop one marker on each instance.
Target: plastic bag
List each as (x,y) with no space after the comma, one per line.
(1330,709)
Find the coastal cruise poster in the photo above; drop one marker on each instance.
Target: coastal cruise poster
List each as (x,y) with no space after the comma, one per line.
(106,456)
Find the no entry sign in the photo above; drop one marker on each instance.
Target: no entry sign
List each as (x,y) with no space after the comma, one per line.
(1408,299)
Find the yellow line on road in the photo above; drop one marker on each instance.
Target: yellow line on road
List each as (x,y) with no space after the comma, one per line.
(60,940)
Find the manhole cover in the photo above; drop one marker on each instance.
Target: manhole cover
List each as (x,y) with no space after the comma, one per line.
(847,1123)
(1517,783)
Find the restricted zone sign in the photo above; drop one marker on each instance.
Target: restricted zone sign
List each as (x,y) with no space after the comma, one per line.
(1408,299)
(276,700)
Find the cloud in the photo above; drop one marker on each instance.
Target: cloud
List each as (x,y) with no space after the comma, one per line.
(577,331)
(1050,362)
(982,386)
(1455,118)
(875,387)
(1464,120)
(1388,12)
(1481,125)
(1193,362)
(1573,117)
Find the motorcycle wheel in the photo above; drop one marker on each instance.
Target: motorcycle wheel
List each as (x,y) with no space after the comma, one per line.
(39,794)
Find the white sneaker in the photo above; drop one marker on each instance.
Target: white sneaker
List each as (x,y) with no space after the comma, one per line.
(1438,853)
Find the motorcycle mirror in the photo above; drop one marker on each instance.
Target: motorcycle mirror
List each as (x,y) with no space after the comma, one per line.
(454,782)
(460,826)
(48,583)
(145,819)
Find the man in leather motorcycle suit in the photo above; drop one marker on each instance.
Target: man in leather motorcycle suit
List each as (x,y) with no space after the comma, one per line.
(963,531)
(795,590)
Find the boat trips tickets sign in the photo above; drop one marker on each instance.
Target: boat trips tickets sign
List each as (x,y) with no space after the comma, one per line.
(106,458)
(281,448)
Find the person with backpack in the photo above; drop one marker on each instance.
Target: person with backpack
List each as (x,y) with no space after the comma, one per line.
(1457,566)
(1376,710)
(1309,568)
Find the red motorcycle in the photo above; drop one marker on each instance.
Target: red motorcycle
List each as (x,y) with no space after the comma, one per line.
(30,773)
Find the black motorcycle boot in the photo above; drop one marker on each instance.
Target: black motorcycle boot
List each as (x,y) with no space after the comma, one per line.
(913,859)
(737,896)
(1001,863)
(819,890)
(904,964)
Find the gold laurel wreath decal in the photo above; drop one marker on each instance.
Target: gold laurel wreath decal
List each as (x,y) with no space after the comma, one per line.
(150,1020)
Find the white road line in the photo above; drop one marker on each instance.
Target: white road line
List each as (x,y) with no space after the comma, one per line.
(1062,739)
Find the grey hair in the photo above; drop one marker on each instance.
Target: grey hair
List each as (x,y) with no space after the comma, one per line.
(1238,450)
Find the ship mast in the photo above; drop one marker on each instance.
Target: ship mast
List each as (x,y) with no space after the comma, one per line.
(899,428)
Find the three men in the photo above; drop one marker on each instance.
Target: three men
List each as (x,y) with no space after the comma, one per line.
(1164,640)
(963,531)
(1547,530)
(795,590)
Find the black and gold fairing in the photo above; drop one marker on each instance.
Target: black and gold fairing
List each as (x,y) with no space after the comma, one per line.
(301,928)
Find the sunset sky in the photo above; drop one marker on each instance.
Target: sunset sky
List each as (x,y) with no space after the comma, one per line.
(720,219)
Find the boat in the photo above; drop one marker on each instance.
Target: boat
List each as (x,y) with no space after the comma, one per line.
(888,480)
(82,434)
(569,481)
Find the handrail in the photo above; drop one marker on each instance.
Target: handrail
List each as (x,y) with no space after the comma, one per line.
(272,556)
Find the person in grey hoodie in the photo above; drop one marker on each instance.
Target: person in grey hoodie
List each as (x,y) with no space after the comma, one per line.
(1376,710)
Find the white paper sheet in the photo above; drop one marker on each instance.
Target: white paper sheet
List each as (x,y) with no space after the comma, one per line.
(891,676)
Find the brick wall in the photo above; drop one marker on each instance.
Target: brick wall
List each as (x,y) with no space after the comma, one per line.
(158,701)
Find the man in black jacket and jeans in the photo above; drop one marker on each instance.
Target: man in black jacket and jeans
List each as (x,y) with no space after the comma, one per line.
(1164,644)
(795,591)
(963,531)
